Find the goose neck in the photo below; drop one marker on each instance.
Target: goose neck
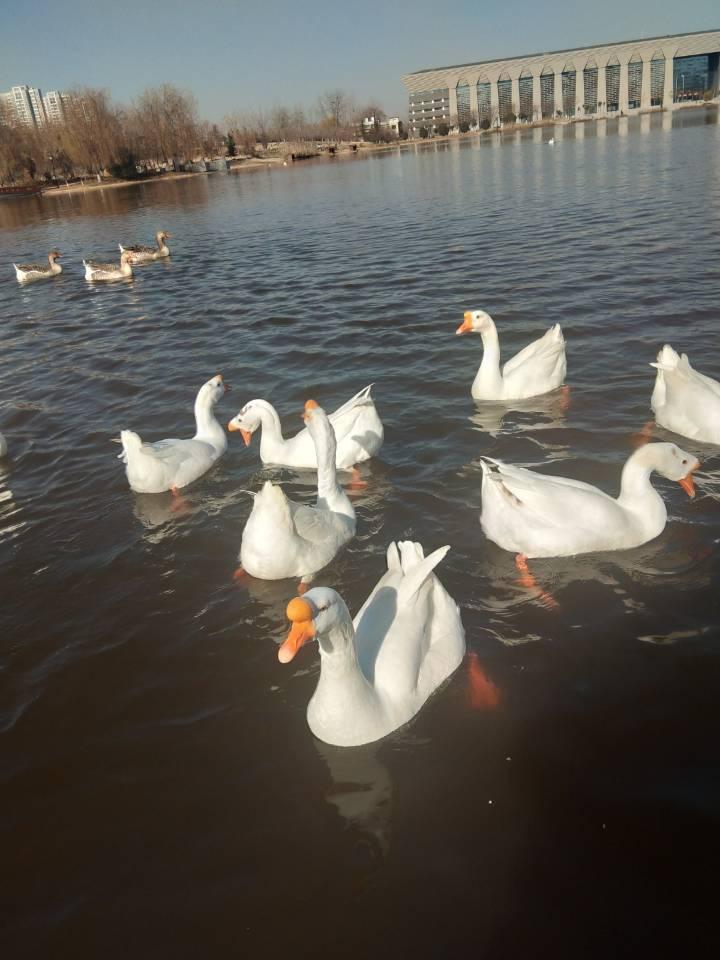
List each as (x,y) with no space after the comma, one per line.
(271,431)
(636,490)
(207,427)
(491,347)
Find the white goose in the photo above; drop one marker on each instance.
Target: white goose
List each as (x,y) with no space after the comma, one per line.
(172,464)
(26,272)
(683,400)
(285,539)
(358,433)
(141,254)
(108,271)
(537,368)
(377,670)
(535,515)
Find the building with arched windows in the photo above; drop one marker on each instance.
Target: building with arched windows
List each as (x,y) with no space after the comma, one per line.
(589,82)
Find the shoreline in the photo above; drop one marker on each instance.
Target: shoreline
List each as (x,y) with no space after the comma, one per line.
(362,149)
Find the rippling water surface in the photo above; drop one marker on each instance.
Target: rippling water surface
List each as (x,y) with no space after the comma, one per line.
(161,794)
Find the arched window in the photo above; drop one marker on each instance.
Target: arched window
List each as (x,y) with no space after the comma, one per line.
(483,99)
(590,87)
(547,92)
(505,104)
(464,112)
(525,85)
(568,89)
(635,77)
(657,78)
(612,85)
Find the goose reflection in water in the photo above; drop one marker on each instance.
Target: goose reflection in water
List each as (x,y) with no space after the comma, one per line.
(621,583)
(361,792)
(536,413)
(362,788)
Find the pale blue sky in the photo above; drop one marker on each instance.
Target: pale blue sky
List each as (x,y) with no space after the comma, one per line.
(239,56)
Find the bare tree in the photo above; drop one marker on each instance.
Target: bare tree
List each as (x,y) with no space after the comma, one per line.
(336,110)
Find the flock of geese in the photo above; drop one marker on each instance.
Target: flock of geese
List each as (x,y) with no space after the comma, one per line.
(379,667)
(94,271)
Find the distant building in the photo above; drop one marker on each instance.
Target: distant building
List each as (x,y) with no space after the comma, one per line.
(55,102)
(586,82)
(392,125)
(27,105)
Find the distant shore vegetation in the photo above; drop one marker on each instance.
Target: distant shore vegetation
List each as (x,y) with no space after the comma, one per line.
(162,130)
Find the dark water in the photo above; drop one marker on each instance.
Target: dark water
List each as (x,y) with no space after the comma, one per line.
(161,794)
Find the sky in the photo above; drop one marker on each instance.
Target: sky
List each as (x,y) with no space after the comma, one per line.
(236,57)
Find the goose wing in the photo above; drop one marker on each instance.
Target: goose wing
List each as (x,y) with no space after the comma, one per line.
(33,267)
(529,499)
(311,523)
(394,629)
(544,350)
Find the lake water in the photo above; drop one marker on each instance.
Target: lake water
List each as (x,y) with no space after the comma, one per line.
(160,792)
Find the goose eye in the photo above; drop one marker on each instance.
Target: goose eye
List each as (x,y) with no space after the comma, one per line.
(684,462)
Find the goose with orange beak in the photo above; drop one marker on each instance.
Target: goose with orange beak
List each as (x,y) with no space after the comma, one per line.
(536,515)
(358,433)
(172,464)
(538,368)
(377,670)
(287,539)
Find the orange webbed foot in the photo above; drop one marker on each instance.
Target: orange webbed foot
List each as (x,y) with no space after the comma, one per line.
(240,574)
(527,580)
(643,436)
(356,483)
(179,504)
(564,398)
(482,693)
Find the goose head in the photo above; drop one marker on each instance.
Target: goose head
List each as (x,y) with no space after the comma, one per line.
(54,255)
(210,392)
(673,463)
(125,258)
(161,236)
(475,321)
(247,421)
(320,613)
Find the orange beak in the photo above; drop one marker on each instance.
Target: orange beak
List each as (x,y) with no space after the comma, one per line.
(245,434)
(466,325)
(687,483)
(300,613)
(309,405)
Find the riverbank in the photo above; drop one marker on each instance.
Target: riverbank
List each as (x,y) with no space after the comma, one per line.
(349,151)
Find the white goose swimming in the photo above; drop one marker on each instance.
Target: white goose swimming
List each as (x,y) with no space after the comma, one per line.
(683,400)
(285,539)
(26,272)
(358,433)
(536,515)
(377,670)
(108,271)
(172,464)
(537,368)
(141,254)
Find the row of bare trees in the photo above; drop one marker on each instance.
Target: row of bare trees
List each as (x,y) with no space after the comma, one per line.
(161,127)
(335,117)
